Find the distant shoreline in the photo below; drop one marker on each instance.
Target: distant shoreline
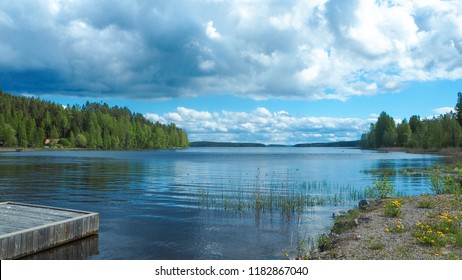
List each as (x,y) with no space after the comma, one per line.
(452,154)
(339,144)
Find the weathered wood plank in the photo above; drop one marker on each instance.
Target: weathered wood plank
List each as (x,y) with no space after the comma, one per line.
(26,229)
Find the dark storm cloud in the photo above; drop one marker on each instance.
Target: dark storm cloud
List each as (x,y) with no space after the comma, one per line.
(314,49)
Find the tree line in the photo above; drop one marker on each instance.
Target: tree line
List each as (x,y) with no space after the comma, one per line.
(29,122)
(438,132)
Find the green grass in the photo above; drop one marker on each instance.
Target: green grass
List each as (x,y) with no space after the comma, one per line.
(439,230)
(426,204)
(376,246)
(345,222)
(392,208)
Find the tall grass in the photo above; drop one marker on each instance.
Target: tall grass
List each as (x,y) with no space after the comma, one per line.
(286,195)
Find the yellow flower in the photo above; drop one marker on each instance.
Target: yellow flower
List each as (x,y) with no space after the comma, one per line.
(433,241)
(286,255)
(437,255)
(387,230)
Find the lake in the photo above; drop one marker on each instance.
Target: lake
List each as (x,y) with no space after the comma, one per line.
(202,203)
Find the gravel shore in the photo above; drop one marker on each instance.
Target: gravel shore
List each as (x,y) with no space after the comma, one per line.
(376,236)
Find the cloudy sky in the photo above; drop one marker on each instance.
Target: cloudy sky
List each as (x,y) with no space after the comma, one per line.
(288,71)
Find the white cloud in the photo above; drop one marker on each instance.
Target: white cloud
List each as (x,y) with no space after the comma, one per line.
(297,49)
(211,31)
(443,110)
(206,65)
(262,125)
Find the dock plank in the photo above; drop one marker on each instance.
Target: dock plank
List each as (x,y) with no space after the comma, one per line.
(26,229)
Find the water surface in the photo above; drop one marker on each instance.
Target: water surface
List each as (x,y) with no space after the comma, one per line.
(184,204)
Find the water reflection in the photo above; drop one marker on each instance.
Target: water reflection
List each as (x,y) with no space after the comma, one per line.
(150,202)
(77,250)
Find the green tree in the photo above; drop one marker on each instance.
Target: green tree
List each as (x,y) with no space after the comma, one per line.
(404,133)
(385,131)
(8,136)
(81,141)
(28,121)
(415,124)
(458,108)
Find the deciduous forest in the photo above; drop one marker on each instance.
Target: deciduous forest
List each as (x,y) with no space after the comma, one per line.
(32,122)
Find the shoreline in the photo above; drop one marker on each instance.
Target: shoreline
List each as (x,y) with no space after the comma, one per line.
(451,155)
(27,150)
(370,234)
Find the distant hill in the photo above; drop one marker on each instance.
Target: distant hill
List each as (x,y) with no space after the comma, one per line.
(340,144)
(224,144)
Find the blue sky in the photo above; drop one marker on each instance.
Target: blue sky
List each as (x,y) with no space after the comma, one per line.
(285,72)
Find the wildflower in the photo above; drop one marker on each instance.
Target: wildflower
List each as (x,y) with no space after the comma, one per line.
(286,255)
(437,255)
(387,230)
(433,241)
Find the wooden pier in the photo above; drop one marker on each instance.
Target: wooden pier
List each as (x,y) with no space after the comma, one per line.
(26,229)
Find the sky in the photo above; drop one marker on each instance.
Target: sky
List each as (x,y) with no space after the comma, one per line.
(267,71)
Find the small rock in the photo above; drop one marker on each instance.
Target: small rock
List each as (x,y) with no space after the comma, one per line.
(363,204)
(357,237)
(444,252)
(356,222)
(364,219)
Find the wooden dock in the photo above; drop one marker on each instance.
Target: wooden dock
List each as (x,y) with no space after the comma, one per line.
(26,229)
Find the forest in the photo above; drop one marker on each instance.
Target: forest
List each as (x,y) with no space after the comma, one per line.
(30,122)
(428,133)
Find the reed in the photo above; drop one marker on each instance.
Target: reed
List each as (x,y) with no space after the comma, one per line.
(270,195)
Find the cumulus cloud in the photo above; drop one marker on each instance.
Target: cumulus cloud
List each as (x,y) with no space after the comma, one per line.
(262,125)
(259,49)
(212,32)
(443,110)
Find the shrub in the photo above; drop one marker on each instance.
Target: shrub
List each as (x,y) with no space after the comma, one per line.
(382,189)
(444,183)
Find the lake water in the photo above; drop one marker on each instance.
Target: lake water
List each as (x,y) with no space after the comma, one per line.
(201,203)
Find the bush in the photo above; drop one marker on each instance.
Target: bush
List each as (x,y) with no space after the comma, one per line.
(382,189)
(444,184)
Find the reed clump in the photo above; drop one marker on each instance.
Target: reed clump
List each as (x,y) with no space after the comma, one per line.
(287,197)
